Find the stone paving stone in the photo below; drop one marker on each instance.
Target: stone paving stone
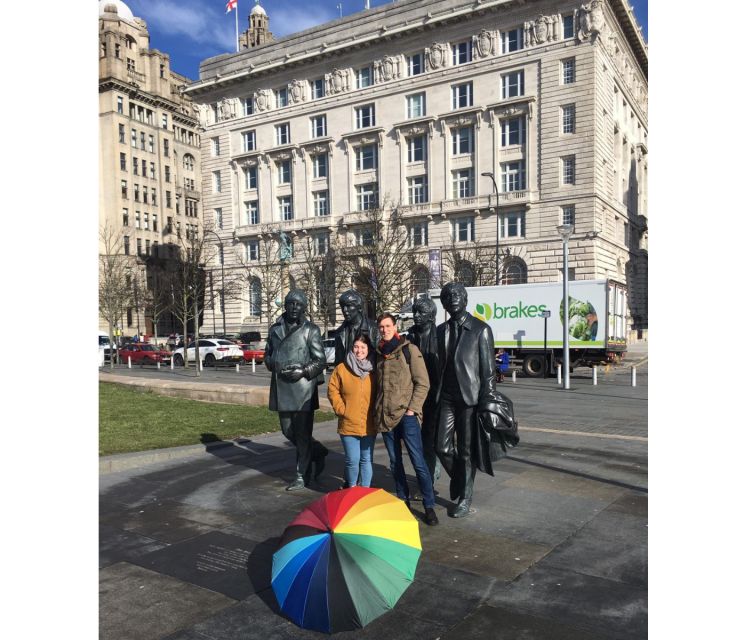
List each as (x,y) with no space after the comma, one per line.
(449,578)
(167,510)
(137,604)
(541,479)
(593,604)
(634,503)
(116,545)
(270,524)
(427,601)
(456,545)
(613,545)
(504,624)
(215,561)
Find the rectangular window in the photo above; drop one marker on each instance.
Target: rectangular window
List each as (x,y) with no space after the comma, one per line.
(417,189)
(282,134)
(139,247)
(416,105)
(512,225)
(121,133)
(464,230)
(153,195)
(125,217)
(133,139)
(144,165)
(363,78)
(116,49)
(123,161)
(137,219)
(365,116)
(461,52)
(145,195)
(461,95)
(568,169)
(218,217)
(252,250)
(317,88)
(151,144)
(321,203)
(319,126)
(165,121)
(320,165)
(120,104)
(415,64)
(189,184)
(416,149)
(568,31)
(168,199)
(463,183)
(248,141)
(216,182)
(146,222)
(365,157)
(364,238)
(137,192)
(321,244)
(142,141)
(419,235)
(251,212)
(215,146)
(512,131)
(462,140)
(155,222)
(285,207)
(568,71)
(131,67)
(568,214)
(167,173)
(568,118)
(250,178)
(153,170)
(247,106)
(284,171)
(513,176)
(166,148)
(367,196)
(512,84)
(124,189)
(281,97)
(511,40)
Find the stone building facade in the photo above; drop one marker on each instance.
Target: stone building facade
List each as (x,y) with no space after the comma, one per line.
(149,145)
(408,105)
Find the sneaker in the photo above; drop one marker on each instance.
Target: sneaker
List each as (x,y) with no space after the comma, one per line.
(431,518)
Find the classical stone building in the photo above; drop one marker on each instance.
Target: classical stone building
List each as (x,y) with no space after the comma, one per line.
(407,106)
(149,145)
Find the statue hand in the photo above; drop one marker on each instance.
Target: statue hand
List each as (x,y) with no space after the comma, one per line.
(293,375)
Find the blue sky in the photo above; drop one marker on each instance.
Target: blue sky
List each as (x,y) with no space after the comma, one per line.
(192,30)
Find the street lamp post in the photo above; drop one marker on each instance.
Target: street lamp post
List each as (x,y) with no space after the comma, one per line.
(488,174)
(565,231)
(222,279)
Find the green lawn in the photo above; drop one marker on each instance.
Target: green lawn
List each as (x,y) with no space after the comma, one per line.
(134,419)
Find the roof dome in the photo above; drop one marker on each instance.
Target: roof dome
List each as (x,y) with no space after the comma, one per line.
(116,6)
(256,9)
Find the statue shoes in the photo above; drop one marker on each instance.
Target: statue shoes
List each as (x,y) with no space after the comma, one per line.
(462,509)
(297,484)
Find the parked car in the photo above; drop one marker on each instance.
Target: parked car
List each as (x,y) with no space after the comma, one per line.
(329,352)
(106,346)
(253,351)
(143,353)
(212,351)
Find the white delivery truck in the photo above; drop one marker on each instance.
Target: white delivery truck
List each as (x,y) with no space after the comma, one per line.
(597,319)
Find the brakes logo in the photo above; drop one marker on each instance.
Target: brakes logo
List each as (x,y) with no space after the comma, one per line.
(485,312)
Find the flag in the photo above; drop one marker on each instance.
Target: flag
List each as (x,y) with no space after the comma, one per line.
(231,4)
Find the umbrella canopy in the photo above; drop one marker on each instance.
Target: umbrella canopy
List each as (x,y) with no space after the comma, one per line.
(345,559)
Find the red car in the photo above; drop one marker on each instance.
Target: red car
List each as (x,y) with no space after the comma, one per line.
(253,352)
(143,353)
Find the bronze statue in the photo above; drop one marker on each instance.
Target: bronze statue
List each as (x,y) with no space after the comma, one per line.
(355,323)
(295,356)
(470,406)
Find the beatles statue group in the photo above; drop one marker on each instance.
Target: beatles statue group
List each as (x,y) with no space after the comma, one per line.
(467,423)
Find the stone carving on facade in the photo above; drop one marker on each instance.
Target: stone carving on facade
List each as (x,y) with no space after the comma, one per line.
(263,99)
(296,91)
(437,55)
(248,164)
(227,108)
(338,81)
(417,130)
(590,19)
(388,68)
(482,43)
(201,113)
(544,29)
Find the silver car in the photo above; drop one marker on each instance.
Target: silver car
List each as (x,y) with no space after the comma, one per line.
(329,352)
(212,351)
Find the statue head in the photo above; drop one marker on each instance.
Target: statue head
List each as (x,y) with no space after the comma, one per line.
(424,312)
(296,304)
(351,304)
(454,298)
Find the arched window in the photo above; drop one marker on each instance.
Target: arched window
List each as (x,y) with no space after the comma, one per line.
(514,272)
(255,297)
(420,280)
(130,42)
(189,162)
(465,274)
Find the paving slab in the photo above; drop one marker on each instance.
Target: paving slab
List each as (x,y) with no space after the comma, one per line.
(137,604)
(116,545)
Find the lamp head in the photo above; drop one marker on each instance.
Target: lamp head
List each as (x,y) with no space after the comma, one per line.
(565,231)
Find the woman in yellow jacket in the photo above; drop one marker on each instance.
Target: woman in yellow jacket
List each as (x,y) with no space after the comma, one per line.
(351,393)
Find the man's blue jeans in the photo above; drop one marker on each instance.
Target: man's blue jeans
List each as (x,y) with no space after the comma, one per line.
(358,457)
(409,430)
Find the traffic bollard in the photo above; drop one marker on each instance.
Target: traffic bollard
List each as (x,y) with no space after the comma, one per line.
(632,377)
(513,376)
(129,362)
(594,376)
(158,365)
(172,364)
(253,366)
(560,375)
(201,368)
(237,367)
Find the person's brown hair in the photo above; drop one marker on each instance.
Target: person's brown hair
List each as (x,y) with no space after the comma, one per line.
(386,314)
(362,337)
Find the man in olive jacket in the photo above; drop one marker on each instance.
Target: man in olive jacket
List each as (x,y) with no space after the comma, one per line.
(401,389)
(295,356)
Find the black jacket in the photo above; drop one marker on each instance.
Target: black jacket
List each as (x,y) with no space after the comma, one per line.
(342,347)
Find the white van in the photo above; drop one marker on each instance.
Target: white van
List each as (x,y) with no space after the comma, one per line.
(104,347)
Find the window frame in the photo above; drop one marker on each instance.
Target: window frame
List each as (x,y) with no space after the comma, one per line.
(506,84)
(413,99)
(457,141)
(457,53)
(417,193)
(512,220)
(458,182)
(249,140)
(457,98)
(412,149)
(365,112)
(411,66)
(469,229)
(318,131)
(360,75)
(363,158)
(506,133)
(507,40)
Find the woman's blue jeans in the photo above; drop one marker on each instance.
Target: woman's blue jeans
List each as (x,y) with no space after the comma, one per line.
(358,458)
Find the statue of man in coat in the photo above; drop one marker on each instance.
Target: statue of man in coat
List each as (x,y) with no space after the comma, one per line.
(295,356)
(354,323)
(423,336)
(470,406)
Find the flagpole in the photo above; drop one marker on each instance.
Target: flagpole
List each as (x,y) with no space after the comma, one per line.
(237,25)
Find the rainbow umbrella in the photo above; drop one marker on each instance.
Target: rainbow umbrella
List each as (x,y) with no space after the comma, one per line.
(345,559)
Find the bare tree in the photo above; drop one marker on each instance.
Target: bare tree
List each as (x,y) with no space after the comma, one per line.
(472,264)
(115,292)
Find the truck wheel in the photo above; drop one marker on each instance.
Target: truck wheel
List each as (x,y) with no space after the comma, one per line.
(534,366)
